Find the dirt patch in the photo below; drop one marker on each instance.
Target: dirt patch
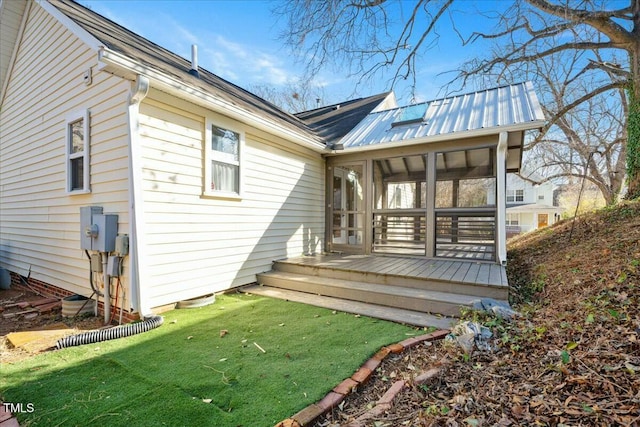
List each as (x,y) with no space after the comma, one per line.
(32,321)
(572,359)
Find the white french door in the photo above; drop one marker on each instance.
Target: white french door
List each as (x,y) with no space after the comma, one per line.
(347,216)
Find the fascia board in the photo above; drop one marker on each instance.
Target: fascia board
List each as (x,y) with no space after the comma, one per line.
(23,23)
(76,29)
(200,97)
(444,137)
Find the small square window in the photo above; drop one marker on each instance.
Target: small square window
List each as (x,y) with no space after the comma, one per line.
(222,175)
(77,153)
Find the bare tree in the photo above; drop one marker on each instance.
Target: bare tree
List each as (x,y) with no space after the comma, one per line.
(362,35)
(294,96)
(608,43)
(587,141)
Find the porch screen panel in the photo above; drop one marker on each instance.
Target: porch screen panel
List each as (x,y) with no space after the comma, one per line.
(465,204)
(399,216)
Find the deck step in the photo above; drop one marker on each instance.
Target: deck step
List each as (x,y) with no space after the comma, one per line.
(444,276)
(420,300)
(399,315)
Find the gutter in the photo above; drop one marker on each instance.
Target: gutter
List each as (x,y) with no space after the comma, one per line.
(137,258)
(501,195)
(203,98)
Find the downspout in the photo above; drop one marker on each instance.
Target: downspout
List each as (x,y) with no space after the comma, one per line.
(137,269)
(501,205)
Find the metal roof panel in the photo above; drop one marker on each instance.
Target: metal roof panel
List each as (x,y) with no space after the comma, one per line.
(496,108)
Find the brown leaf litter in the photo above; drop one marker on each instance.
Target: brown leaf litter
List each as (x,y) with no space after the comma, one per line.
(573,359)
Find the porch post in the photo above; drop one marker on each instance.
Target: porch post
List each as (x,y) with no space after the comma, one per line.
(501,206)
(368,206)
(430,226)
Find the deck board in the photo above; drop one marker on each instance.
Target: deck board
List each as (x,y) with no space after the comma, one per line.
(451,270)
(494,274)
(462,272)
(483,274)
(439,271)
(405,266)
(472,274)
(505,280)
(393,265)
(384,267)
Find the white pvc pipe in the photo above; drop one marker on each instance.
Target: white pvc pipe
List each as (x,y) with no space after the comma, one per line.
(194,57)
(501,194)
(107,285)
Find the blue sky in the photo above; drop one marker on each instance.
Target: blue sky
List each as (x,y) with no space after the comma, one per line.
(238,41)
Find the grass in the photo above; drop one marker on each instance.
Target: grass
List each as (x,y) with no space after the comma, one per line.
(190,372)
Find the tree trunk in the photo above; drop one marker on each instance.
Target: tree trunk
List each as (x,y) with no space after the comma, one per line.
(633,122)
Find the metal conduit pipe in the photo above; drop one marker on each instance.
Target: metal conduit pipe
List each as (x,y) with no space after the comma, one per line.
(91,337)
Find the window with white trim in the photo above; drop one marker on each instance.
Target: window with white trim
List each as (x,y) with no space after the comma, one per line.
(223,152)
(77,152)
(515,196)
(513,219)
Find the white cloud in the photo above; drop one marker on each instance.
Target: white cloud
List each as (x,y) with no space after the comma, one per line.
(243,64)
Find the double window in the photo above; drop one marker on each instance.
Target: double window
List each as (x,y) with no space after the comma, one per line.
(77,152)
(513,219)
(223,151)
(515,196)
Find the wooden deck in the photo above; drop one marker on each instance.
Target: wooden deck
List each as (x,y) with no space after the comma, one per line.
(447,270)
(420,288)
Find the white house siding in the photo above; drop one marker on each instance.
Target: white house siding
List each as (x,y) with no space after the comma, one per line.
(196,244)
(39,221)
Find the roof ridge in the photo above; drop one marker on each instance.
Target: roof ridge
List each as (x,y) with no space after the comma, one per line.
(472,92)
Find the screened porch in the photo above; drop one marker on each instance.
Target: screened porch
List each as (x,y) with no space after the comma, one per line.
(435,204)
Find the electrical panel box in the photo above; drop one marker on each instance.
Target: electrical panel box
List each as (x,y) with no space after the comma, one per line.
(96,263)
(122,245)
(87,230)
(98,231)
(105,241)
(113,266)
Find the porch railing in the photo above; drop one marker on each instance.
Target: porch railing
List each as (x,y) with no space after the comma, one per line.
(460,233)
(466,233)
(399,231)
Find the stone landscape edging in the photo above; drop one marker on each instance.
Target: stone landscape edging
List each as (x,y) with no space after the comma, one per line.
(309,414)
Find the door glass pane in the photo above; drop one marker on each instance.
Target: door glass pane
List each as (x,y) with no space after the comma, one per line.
(348,205)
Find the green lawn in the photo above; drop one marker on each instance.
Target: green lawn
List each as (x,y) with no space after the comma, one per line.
(186,373)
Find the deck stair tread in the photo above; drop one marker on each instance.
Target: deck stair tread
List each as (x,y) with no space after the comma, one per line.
(393,314)
(443,271)
(460,299)
(422,285)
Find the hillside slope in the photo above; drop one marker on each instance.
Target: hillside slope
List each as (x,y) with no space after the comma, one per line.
(581,352)
(572,359)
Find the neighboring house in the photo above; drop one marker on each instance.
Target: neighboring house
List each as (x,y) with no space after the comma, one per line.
(530,206)
(209,183)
